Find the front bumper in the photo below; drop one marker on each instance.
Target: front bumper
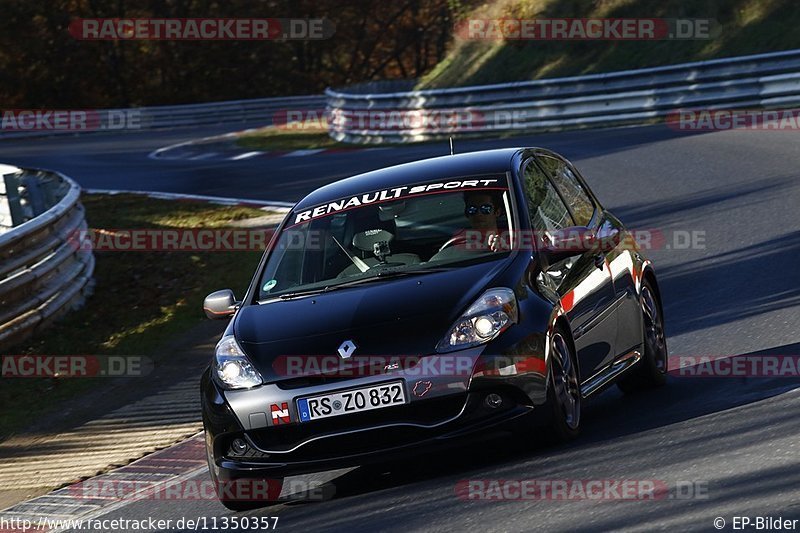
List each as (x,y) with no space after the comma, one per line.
(443,411)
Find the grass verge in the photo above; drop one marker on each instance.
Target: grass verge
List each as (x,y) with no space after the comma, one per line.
(279,139)
(140,301)
(743,27)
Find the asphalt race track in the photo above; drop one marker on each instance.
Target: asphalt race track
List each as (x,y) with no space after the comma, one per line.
(733,440)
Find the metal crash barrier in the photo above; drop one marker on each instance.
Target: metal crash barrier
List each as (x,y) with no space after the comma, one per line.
(45,271)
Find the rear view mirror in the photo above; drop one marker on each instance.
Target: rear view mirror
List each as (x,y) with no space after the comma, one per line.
(390,211)
(220,304)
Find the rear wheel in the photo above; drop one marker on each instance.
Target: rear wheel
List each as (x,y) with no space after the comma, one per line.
(651,370)
(563,392)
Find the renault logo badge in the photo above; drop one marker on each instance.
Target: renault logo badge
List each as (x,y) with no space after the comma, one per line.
(347,348)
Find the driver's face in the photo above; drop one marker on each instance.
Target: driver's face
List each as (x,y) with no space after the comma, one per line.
(481,220)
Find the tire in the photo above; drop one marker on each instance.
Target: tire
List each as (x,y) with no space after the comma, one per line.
(234,504)
(651,370)
(563,392)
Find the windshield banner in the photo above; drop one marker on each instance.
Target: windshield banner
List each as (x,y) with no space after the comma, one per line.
(397,193)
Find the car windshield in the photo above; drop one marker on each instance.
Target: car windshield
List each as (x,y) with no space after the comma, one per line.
(395,232)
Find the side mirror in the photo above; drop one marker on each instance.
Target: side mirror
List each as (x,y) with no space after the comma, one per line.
(608,238)
(561,244)
(220,304)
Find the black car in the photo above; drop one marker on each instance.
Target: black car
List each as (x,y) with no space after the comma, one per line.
(417,305)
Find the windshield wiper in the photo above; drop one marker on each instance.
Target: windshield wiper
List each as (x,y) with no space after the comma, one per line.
(390,273)
(378,276)
(307,292)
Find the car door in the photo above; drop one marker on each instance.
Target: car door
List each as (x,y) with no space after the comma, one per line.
(626,298)
(610,232)
(583,283)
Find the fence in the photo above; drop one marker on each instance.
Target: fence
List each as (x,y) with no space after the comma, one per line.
(43,271)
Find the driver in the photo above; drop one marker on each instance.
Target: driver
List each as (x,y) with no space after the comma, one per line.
(483,209)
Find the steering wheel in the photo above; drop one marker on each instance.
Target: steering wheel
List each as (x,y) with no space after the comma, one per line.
(458,239)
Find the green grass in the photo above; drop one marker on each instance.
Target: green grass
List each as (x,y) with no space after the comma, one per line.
(287,139)
(141,299)
(269,139)
(745,27)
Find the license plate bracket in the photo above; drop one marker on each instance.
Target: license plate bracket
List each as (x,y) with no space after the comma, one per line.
(350,401)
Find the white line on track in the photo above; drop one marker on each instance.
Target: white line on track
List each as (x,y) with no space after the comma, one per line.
(206,155)
(298,153)
(246,155)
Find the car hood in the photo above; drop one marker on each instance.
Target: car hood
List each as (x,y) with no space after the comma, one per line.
(404,316)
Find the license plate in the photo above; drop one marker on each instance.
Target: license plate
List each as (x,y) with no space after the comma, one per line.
(351,401)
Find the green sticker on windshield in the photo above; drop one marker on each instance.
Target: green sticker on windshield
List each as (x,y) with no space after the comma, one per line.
(269,285)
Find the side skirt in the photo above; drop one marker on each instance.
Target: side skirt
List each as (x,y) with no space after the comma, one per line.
(606,376)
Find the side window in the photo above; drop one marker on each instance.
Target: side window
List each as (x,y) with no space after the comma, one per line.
(545,207)
(571,189)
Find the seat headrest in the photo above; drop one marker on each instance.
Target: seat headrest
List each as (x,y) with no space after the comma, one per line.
(366,240)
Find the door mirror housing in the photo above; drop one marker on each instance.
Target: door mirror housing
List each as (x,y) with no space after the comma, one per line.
(564,243)
(608,237)
(220,304)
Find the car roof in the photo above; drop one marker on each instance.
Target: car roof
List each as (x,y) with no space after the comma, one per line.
(438,168)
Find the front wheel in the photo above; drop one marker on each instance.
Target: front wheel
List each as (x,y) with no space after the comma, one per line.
(563,392)
(651,370)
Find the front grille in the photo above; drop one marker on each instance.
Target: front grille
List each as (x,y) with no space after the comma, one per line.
(359,443)
(476,414)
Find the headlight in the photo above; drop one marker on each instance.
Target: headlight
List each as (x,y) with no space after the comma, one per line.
(233,370)
(490,315)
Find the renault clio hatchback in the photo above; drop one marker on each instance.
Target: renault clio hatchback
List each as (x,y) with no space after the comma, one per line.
(418,305)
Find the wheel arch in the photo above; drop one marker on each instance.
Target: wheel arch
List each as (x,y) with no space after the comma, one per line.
(562,323)
(649,275)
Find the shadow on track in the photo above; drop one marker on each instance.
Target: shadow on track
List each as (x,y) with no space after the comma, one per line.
(607,419)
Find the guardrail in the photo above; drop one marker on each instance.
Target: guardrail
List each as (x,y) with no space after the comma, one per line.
(44,269)
(226,112)
(261,110)
(764,80)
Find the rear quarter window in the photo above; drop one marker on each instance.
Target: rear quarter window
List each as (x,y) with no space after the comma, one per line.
(570,187)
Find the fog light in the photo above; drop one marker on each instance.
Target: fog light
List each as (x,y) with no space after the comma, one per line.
(494,400)
(238,446)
